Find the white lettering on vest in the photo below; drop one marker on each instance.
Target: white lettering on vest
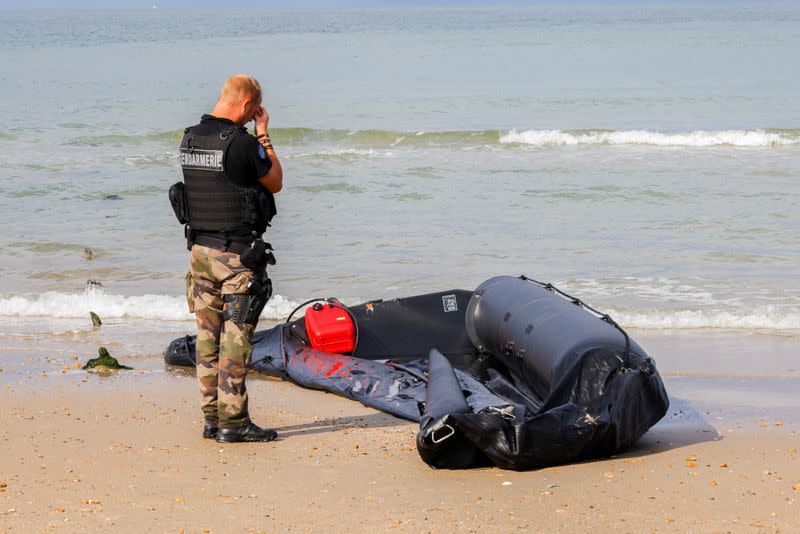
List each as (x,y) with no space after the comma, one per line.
(202,160)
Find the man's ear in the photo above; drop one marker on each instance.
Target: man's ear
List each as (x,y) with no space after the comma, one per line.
(244,105)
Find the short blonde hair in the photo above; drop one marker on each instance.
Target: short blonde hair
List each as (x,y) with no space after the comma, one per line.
(239,87)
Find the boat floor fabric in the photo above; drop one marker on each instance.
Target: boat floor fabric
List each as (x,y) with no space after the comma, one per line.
(597,405)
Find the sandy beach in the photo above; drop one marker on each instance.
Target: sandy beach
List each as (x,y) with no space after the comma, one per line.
(87,453)
(643,157)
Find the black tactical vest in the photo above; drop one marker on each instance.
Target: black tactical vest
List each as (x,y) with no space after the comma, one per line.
(215,203)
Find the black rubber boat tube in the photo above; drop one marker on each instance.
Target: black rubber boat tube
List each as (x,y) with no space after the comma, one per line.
(438,442)
(535,332)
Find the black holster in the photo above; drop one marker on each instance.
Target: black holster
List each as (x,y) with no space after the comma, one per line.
(246,308)
(180,205)
(188,233)
(258,255)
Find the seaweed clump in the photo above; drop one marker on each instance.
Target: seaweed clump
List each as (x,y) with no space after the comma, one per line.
(104,364)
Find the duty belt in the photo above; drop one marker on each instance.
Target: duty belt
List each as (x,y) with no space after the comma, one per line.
(237,244)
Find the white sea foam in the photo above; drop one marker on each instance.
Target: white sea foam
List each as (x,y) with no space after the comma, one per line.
(173,308)
(158,307)
(762,318)
(343,152)
(700,138)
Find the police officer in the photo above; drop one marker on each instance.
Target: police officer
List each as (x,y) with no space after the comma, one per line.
(225,199)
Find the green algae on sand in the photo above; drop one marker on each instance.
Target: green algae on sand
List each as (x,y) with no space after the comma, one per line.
(104,364)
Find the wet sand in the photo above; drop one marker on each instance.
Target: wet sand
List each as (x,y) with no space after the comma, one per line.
(85,453)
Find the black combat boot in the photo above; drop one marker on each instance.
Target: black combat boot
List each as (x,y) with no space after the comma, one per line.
(210,430)
(245,433)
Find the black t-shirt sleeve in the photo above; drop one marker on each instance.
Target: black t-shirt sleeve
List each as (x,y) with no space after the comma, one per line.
(246,160)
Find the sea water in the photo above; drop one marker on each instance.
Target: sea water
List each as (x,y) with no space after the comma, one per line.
(643,157)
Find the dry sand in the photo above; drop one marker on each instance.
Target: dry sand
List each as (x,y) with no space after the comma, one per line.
(85,453)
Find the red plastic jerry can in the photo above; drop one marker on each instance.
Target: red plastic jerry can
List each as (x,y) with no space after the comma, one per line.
(330,329)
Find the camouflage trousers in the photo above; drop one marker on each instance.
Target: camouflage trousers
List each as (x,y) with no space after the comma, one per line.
(224,348)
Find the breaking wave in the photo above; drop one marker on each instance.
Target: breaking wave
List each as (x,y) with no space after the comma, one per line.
(340,142)
(172,308)
(700,138)
(150,307)
(763,318)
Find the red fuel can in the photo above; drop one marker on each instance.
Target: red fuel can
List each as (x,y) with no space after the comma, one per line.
(330,328)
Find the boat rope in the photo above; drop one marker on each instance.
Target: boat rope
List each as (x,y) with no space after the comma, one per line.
(600,315)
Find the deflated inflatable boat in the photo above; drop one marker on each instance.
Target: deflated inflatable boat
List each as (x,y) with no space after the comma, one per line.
(516,373)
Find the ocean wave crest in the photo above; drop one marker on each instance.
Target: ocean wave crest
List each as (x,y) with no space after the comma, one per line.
(344,153)
(172,308)
(339,142)
(150,307)
(699,138)
(762,318)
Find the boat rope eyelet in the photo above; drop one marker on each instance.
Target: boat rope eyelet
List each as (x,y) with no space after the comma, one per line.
(445,427)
